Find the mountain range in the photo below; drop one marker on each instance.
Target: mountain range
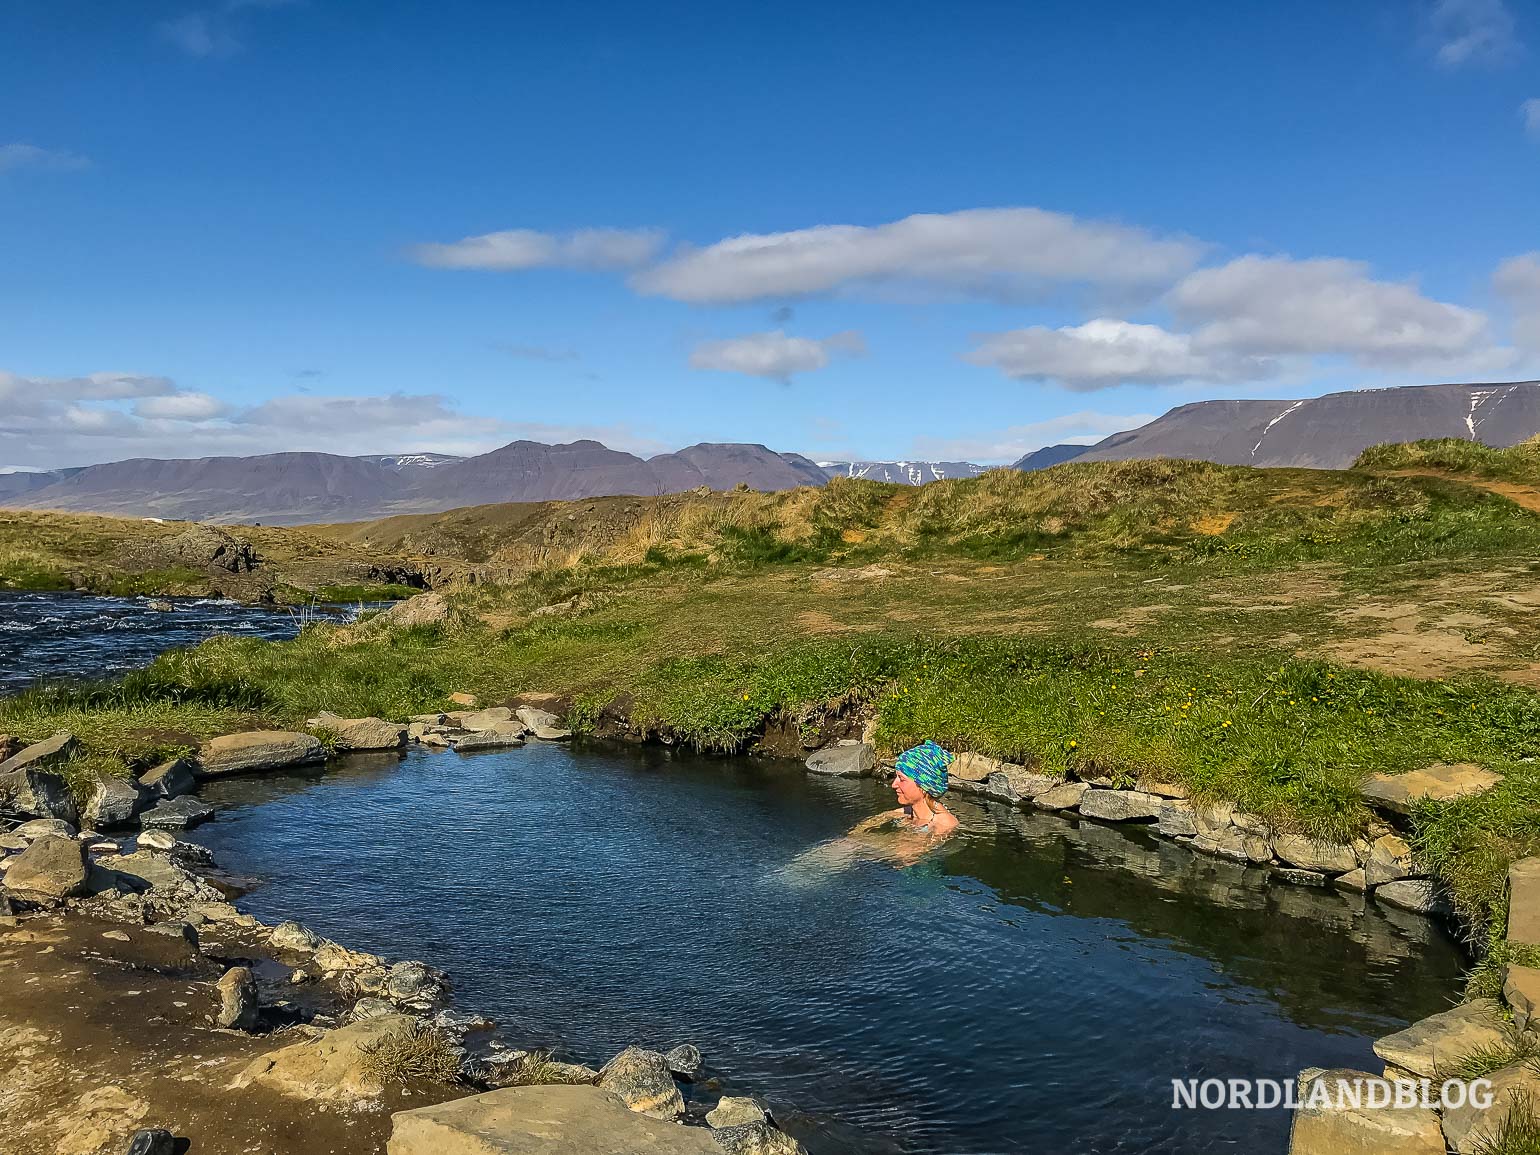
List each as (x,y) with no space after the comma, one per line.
(1319,432)
(291,488)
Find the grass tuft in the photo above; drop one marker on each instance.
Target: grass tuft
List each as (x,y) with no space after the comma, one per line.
(421,1052)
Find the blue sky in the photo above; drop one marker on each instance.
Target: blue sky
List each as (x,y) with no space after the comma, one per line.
(875,230)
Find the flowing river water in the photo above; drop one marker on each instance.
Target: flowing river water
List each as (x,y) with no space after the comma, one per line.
(54,635)
(1033,985)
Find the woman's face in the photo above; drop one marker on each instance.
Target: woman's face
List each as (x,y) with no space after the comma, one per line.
(908,793)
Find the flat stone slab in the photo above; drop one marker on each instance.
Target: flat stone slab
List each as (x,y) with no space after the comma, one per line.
(253,750)
(496,739)
(1414,894)
(361,733)
(1524,901)
(1308,854)
(1440,782)
(176,814)
(1120,805)
(555,1120)
(1342,1129)
(42,755)
(1444,1038)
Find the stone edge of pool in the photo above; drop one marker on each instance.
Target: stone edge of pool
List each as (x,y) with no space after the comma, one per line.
(1380,866)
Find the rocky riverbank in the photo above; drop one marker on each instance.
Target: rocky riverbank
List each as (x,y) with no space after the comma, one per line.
(125,967)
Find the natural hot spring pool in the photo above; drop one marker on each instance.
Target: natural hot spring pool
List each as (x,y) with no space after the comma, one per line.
(1032,987)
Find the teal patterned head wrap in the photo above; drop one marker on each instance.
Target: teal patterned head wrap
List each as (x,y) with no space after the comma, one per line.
(926,765)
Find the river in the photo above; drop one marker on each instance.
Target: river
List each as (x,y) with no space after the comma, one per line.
(59,635)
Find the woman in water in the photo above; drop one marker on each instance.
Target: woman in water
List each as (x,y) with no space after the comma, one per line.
(919,781)
(902,836)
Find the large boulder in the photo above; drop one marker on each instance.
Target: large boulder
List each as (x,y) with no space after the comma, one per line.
(331,956)
(1521,991)
(1444,1038)
(1017,785)
(49,871)
(237,1000)
(414,984)
(423,610)
(1440,782)
(332,1068)
(543,724)
(644,1083)
(44,828)
(170,779)
(1339,1128)
(40,793)
(735,1111)
(295,938)
(1468,1128)
(493,717)
(1120,805)
(847,759)
(258,750)
(971,767)
(361,733)
(1310,854)
(44,755)
(206,547)
(541,1120)
(150,870)
(111,801)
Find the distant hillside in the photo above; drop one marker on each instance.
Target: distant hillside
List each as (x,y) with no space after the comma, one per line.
(902,472)
(1049,456)
(1330,432)
(292,488)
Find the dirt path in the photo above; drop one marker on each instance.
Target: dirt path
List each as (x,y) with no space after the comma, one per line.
(1524,496)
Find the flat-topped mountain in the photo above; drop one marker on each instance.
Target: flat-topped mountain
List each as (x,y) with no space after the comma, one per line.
(291,488)
(1325,432)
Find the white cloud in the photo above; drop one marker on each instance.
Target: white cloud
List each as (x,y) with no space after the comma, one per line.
(1473,32)
(1007,445)
(29,396)
(181,407)
(773,355)
(529,249)
(1105,352)
(1273,306)
(1530,112)
(48,422)
(1517,280)
(992,252)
